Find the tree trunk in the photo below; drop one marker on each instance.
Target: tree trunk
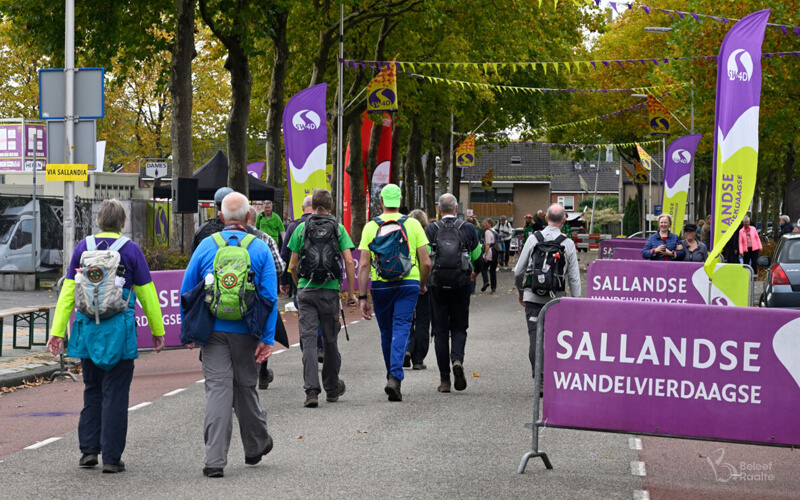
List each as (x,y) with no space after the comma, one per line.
(356,170)
(429,188)
(767,201)
(275,98)
(788,173)
(238,64)
(180,87)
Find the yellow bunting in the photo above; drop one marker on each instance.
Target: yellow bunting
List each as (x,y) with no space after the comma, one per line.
(555,65)
(544,67)
(566,65)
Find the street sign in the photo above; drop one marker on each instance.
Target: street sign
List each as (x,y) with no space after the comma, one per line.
(89,94)
(67,172)
(657,209)
(155,168)
(85,138)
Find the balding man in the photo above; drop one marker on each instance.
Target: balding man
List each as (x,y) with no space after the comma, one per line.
(231,355)
(531,300)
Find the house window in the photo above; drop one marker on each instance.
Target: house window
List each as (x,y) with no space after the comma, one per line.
(568,202)
(516,160)
(496,195)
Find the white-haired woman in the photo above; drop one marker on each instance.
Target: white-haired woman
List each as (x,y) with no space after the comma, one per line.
(749,245)
(663,245)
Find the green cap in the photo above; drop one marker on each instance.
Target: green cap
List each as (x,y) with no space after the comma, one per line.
(390,194)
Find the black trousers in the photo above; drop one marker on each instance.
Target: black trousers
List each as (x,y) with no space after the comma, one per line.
(489,272)
(451,320)
(750,258)
(420,338)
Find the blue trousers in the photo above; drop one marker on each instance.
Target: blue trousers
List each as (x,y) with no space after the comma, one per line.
(394,306)
(103,425)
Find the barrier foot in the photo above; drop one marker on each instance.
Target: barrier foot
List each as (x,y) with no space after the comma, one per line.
(63,374)
(533,454)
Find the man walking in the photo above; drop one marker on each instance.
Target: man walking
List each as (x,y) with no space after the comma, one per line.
(317,246)
(270,222)
(490,257)
(533,300)
(230,357)
(394,291)
(505,232)
(455,248)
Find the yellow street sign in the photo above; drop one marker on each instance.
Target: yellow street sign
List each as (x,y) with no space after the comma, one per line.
(67,172)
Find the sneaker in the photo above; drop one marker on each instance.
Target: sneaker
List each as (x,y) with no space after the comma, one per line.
(114,468)
(419,366)
(444,386)
(88,460)
(458,372)
(320,355)
(254,460)
(407,360)
(312,400)
(213,472)
(393,389)
(334,397)
(264,379)
(484,287)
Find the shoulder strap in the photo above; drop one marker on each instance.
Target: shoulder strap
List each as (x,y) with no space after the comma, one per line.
(378,221)
(402,219)
(91,244)
(539,236)
(219,240)
(245,243)
(560,239)
(119,243)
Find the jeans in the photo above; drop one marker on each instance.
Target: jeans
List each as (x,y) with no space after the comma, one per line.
(103,425)
(451,310)
(394,305)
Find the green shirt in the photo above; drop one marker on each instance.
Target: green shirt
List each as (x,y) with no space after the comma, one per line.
(272,225)
(416,239)
(296,244)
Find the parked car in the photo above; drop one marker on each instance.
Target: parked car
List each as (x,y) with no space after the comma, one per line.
(782,283)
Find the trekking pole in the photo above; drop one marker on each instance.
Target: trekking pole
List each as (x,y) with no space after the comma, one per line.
(344,321)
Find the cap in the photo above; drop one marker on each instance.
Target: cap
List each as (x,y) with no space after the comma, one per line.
(689,227)
(221,194)
(528,216)
(391,194)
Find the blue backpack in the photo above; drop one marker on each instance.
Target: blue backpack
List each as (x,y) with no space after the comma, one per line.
(390,246)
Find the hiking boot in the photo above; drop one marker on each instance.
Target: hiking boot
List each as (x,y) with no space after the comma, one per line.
(312,400)
(254,460)
(213,472)
(331,397)
(458,372)
(444,386)
(419,366)
(393,389)
(114,468)
(88,460)
(320,355)
(407,360)
(264,379)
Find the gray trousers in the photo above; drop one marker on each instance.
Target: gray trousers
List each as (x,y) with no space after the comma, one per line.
(231,374)
(531,319)
(320,307)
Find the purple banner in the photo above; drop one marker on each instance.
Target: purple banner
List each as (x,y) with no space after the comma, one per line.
(256,169)
(168,286)
(607,247)
(631,367)
(675,282)
(626,253)
(677,173)
(305,136)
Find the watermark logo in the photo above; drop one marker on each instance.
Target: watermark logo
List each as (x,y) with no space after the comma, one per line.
(306,120)
(743,471)
(740,66)
(682,156)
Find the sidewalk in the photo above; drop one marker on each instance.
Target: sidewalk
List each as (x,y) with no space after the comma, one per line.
(19,365)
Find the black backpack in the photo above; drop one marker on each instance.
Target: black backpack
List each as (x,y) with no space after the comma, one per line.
(450,258)
(320,257)
(546,267)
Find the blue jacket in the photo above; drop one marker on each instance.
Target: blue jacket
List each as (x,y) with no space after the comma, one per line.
(261,263)
(655,241)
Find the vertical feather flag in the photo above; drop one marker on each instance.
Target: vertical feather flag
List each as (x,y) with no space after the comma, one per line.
(646,161)
(465,153)
(660,117)
(486,180)
(625,168)
(735,129)
(641,175)
(584,186)
(382,90)
(677,172)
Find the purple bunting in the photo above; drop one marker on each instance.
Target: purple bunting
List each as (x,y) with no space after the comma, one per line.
(695,16)
(605,63)
(642,61)
(783,29)
(620,64)
(768,55)
(680,14)
(645,8)
(725,20)
(614,6)
(594,64)
(797,31)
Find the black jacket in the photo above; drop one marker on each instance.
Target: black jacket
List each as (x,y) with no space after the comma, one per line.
(214,225)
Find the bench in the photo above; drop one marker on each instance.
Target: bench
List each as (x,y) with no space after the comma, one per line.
(23,316)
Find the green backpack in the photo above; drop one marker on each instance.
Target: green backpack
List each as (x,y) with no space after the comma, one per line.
(231,290)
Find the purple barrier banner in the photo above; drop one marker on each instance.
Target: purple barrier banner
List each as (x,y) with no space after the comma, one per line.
(626,253)
(734,375)
(607,247)
(168,286)
(676,282)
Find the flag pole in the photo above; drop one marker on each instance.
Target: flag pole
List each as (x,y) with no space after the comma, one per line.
(339,124)
(452,160)
(594,199)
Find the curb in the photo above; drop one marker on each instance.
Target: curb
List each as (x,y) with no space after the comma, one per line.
(16,379)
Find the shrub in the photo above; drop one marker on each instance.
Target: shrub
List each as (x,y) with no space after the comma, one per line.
(164,259)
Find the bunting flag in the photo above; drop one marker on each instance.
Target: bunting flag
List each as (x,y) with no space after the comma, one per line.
(382,90)
(677,172)
(660,117)
(641,175)
(305,137)
(627,169)
(486,180)
(735,163)
(584,186)
(465,153)
(645,159)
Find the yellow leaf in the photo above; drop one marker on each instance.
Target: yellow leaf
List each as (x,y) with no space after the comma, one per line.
(476,374)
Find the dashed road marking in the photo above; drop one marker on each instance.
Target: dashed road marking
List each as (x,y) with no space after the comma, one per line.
(354,322)
(42,443)
(278,352)
(637,468)
(295,345)
(140,405)
(641,495)
(176,391)
(635,443)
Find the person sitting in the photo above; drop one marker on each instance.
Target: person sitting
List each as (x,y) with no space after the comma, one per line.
(695,250)
(663,245)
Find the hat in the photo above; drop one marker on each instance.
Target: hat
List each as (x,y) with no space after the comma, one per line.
(391,194)
(221,194)
(689,227)
(528,216)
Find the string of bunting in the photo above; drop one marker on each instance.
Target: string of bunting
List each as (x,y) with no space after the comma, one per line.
(569,66)
(532,177)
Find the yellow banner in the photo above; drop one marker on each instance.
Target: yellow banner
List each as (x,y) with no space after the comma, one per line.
(382,91)
(486,180)
(660,122)
(641,176)
(584,186)
(465,153)
(646,160)
(67,172)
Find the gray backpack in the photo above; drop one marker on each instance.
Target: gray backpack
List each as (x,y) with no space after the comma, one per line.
(98,292)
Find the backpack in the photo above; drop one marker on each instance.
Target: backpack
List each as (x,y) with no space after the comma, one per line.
(546,267)
(99,281)
(450,258)
(319,257)
(390,246)
(498,243)
(230,290)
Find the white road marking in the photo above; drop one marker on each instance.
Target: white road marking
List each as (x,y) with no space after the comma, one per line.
(176,391)
(278,352)
(295,345)
(140,405)
(200,381)
(641,495)
(43,443)
(637,468)
(354,322)
(635,443)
